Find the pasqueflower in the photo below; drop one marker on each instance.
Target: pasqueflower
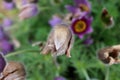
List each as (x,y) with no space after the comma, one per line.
(81,8)
(81,26)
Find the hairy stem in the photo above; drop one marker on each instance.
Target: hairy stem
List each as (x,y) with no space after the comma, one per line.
(86,74)
(22,51)
(107,73)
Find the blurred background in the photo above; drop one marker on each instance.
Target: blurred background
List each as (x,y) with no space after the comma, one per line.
(21,33)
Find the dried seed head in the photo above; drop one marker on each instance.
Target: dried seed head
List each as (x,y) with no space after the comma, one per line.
(13,71)
(109,55)
(107,19)
(59,41)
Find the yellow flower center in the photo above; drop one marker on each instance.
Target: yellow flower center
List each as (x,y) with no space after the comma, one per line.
(83,7)
(80,26)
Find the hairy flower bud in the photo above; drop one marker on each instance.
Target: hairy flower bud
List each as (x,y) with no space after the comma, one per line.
(59,41)
(13,71)
(28,11)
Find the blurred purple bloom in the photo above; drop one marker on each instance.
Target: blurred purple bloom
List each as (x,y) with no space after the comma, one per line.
(7,22)
(55,20)
(88,41)
(24,2)
(2,62)
(76,11)
(6,46)
(3,34)
(82,3)
(59,78)
(28,11)
(81,8)
(8,5)
(72,9)
(82,26)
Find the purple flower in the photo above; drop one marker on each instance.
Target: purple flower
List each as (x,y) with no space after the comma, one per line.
(81,8)
(88,41)
(6,46)
(83,4)
(2,63)
(76,11)
(24,2)
(7,22)
(28,11)
(59,78)
(3,34)
(8,5)
(55,20)
(82,26)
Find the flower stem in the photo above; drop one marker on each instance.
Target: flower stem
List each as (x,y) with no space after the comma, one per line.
(22,51)
(56,64)
(85,74)
(107,73)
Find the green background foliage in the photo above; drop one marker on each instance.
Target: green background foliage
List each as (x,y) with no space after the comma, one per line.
(84,64)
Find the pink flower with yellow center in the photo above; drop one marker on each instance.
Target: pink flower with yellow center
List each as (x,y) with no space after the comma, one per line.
(82,26)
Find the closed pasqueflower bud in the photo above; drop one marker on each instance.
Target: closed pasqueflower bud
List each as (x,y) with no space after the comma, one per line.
(60,40)
(28,10)
(13,71)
